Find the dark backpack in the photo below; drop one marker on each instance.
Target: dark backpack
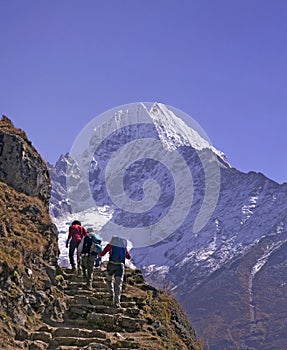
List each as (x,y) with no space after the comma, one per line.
(119,248)
(92,244)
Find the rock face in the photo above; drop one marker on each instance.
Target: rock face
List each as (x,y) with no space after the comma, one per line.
(29,240)
(45,307)
(20,165)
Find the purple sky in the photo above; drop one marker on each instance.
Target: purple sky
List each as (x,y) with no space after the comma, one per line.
(62,62)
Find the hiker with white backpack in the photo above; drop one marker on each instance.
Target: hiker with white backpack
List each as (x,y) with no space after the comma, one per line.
(117,249)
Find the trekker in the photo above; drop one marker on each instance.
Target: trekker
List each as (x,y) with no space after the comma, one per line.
(89,248)
(117,249)
(76,234)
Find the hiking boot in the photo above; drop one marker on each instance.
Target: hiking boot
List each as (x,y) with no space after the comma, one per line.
(118,305)
(89,285)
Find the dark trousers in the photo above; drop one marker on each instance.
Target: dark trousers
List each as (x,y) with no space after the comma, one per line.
(73,246)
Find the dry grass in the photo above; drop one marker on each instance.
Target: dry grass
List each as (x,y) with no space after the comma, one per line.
(27,241)
(165,318)
(23,220)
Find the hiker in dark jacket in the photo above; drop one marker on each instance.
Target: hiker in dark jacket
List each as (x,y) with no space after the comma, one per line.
(118,252)
(89,249)
(76,234)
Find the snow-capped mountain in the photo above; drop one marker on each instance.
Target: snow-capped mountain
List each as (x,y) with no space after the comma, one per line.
(212,235)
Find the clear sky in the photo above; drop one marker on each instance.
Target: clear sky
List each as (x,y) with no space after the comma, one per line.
(224,62)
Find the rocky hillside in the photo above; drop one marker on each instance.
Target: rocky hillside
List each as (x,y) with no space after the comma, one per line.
(148,319)
(28,245)
(45,307)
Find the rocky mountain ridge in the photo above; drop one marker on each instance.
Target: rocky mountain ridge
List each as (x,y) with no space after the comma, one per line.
(20,166)
(229,276)
(43,306)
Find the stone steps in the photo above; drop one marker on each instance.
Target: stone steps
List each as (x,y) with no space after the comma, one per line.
(100,286)
(107,322)
(76,341)
(87,308)
(90,320)
(94,347)
(97,302)
(78,332)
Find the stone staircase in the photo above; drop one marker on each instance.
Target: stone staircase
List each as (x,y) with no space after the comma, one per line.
(90,321)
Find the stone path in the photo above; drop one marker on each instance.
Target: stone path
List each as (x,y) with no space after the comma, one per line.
(90,321)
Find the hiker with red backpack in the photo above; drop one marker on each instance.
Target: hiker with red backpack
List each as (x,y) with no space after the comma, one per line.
(117,248)
(76,234)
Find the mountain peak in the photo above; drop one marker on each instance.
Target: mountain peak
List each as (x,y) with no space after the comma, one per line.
(174,127)
(177,129)
(233,267)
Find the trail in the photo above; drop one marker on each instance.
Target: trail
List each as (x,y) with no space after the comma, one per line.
(90,321)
